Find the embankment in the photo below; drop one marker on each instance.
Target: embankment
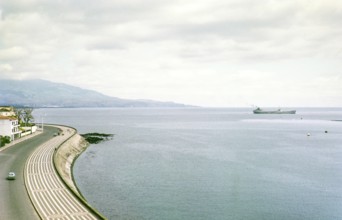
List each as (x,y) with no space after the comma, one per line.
(64,158)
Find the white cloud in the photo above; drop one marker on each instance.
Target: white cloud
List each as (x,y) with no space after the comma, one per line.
(6,68)
(214,53)
(13,53)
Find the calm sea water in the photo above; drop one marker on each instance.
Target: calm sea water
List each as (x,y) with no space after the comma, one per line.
(209,163)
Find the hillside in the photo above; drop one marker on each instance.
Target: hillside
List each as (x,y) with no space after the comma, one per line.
(41,93)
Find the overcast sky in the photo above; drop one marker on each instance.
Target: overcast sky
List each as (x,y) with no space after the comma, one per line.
(201,52)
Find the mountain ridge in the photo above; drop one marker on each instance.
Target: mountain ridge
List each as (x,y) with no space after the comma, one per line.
(43,93)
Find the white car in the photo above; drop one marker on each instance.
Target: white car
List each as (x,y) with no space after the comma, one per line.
(11,176)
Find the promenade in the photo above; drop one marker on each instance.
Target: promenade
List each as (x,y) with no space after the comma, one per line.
(50,197)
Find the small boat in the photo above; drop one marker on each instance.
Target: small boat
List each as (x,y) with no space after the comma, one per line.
(279,111)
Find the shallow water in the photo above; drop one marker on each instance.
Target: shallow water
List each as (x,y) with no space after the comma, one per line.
(209,163)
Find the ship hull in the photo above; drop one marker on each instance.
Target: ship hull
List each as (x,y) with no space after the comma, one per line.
(275,112)
(279,111)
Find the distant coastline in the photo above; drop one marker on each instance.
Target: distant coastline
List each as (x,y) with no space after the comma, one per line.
(45,94)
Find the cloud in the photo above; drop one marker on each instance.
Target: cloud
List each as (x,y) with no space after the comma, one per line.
(13,53)
(6,68)
(191,51)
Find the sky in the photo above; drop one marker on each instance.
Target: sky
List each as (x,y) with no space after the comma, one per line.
(213,53)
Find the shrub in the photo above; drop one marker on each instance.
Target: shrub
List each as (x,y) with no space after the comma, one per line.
(4,140)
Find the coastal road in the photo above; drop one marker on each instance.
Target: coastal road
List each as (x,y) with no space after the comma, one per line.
(14,200)
(47,191)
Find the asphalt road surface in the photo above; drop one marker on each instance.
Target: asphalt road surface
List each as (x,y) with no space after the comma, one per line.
(14,200)
(47,191)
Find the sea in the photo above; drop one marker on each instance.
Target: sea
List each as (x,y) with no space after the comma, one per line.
(208,163)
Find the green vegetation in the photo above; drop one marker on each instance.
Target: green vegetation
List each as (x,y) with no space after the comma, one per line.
(4,140)
(95,138)
(24,116)
(5,109)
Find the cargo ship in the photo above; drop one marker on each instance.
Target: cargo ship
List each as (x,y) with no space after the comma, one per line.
(279,111)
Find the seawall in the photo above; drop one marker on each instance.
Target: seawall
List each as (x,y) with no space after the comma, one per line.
(64,158)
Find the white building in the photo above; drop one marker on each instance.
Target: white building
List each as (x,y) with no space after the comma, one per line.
(9,126)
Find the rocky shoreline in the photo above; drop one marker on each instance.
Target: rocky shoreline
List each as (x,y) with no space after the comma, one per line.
(95,138)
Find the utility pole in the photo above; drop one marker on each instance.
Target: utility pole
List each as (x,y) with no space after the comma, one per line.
(42,123)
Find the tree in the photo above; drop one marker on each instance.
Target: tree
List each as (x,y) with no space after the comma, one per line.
(19,113)
(27,115)
(24,115)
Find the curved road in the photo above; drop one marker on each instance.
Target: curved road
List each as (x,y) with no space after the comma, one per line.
(47,191)
(37,181)
(14,200)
